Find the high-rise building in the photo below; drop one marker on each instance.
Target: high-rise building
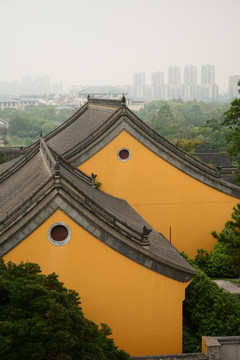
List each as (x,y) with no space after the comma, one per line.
(139,84)
(208,74)
(157,83)
(233,86)
(27,85)
(139,79)
(158,78)
(173,75)
(190,75)
(41,85)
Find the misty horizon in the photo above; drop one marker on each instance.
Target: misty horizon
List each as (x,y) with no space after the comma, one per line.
(87,43)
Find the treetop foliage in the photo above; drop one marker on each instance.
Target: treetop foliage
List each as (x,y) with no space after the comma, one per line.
(195,125)
(4,158)
(25,126)
(232,120)
(229,237)
(40,319)
(208,311)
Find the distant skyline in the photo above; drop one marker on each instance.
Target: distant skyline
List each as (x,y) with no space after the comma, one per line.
(105,42)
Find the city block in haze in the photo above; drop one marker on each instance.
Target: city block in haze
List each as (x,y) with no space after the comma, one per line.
(174,88)
(189,89)
(39,90)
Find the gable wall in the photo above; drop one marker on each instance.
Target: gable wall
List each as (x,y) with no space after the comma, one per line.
(143,308)
(163,195)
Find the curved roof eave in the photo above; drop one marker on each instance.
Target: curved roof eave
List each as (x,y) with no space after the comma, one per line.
(25,224)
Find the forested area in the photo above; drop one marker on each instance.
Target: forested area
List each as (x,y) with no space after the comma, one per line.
(190,125)
(25,126)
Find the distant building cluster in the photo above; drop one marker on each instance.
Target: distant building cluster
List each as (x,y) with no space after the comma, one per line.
(185,86)
(40,85)
(189,89)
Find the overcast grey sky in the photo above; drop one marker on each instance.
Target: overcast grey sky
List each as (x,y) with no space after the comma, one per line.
(106,41)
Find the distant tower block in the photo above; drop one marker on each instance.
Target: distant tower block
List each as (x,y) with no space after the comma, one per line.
(139,84)
(208,74)
(190,75)
(158,78)
(173,75)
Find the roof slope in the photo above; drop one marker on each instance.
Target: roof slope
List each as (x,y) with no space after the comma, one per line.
(39,183)
(81,125)
(15,190)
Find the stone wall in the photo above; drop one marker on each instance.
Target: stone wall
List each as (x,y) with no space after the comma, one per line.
(221,348)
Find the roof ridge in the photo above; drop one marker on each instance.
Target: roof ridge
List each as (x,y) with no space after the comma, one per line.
(104,102)
(141,238)
(48,157)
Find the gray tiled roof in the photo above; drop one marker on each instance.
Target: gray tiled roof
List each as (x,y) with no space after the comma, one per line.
(22,183)
(217,158)
(77,130)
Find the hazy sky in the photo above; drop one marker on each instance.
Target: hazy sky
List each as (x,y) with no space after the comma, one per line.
(106,41)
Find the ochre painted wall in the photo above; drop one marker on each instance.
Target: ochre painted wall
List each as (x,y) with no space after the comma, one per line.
(163,195)
(143,308)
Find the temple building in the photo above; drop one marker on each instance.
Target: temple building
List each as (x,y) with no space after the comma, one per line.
(179,195)
(107,203)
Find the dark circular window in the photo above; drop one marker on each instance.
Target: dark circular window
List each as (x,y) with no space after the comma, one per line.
(124,154)
(59,234)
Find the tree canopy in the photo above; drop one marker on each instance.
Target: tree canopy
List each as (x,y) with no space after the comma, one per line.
(191,125)
(40,319)
(229,237)
(4,158)
(25,126)
(232,120)
(208,311)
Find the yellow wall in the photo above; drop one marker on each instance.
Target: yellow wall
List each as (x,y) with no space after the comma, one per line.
(163,195)
(143,308)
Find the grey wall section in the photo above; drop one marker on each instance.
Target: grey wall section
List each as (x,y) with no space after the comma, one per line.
(223,348)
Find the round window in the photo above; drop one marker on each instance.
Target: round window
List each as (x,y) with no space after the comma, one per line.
(123,154)
(59,234)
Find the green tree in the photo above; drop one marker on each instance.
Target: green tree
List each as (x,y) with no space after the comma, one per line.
(188,145)
(4,158)
(232,120)
(163,122)
(40,319)
(213,263)
(230,238)
(208,311)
